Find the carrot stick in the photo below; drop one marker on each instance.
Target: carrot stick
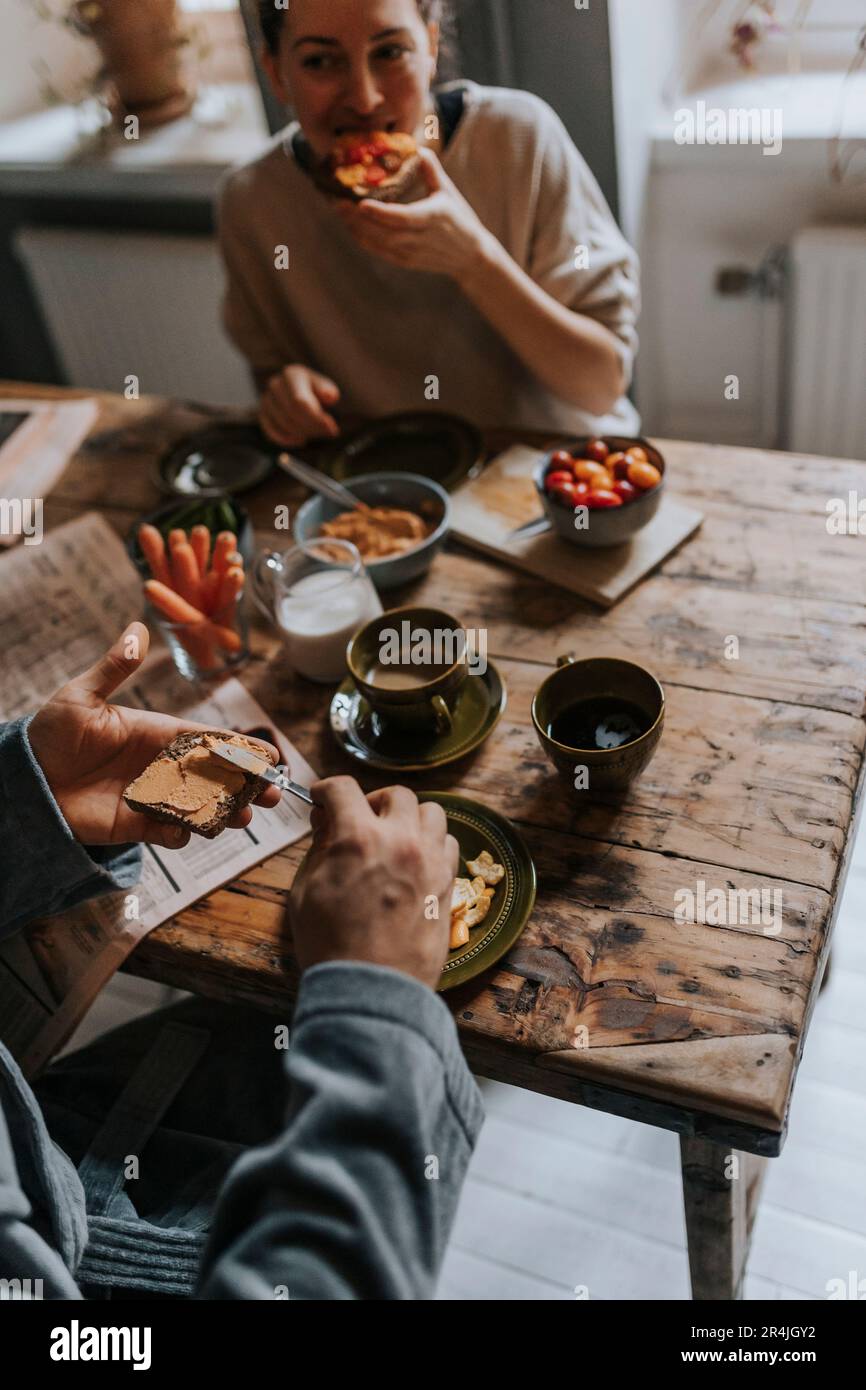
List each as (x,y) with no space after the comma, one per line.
(199,648)
(199,539)
(225,545)
(185,574)
(171,604)
(224,637)
(177,610)
(209,590)
(231,584)
(153,550)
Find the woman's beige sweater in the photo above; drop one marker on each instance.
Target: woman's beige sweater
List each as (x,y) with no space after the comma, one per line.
(395,339)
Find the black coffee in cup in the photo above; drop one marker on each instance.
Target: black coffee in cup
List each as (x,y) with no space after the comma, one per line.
(601,722)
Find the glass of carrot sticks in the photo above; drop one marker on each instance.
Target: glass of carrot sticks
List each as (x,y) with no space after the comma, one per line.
(196,590)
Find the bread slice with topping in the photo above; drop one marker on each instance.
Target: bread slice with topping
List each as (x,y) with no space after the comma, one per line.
(381,165)
(188,785)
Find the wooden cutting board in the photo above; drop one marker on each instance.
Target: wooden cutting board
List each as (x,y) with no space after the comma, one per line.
(487,510)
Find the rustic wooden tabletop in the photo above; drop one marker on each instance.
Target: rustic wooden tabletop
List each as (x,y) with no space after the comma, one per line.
(606,1000)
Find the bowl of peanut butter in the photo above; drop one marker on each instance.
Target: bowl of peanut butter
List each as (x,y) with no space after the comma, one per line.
(399,528)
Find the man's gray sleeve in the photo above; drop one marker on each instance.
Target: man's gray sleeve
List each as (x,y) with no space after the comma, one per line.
(356,1197)
(43,868)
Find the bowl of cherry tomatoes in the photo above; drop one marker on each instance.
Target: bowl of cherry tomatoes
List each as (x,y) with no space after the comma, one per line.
(601,491)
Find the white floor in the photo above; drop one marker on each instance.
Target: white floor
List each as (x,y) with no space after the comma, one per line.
(563,1202)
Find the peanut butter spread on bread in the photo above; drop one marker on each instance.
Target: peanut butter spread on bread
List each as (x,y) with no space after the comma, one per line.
(193,785)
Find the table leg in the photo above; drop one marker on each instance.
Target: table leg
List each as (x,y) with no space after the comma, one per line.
(721,1190)
(825,979)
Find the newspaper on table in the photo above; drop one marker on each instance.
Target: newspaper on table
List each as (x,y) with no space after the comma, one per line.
(61,605)
(37,440)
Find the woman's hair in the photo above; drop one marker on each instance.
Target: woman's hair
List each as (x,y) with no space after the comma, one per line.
(271,18)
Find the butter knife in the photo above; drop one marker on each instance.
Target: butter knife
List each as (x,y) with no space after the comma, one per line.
(259,767)
(536,527)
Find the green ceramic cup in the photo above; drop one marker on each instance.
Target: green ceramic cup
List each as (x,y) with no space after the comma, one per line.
(598,678)
(420,694)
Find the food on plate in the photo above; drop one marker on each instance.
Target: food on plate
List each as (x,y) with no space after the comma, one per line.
(463,895)
(485,867)
(471,898)
(377,164)
(600,476)
(186,784)
(196,582)
(378,532)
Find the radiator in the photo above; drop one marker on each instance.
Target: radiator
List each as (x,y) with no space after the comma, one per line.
(146,304)
(827,343)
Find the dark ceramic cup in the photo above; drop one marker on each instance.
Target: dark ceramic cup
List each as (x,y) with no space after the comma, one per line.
(599,678)
(426,703)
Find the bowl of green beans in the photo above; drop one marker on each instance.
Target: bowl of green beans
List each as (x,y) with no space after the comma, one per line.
(221,513)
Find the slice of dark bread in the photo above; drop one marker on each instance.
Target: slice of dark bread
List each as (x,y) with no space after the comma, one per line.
(229,801)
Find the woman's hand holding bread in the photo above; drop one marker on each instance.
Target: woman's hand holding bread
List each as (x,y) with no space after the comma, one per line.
(440,234)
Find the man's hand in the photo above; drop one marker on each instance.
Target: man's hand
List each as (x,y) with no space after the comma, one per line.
(292,410)
(90,751)
(377,884)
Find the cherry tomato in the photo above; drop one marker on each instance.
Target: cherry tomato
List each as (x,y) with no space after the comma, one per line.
(581,491)
(603,499)
(617,464)
(626,490)
(638,454)
(601,482)
(585,470)
(562,459)
(565,493)
(644,476)
(597,450)
(559,478)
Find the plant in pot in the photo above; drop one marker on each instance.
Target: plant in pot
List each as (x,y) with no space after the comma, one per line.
(142,44)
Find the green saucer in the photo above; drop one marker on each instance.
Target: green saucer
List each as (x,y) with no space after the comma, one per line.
(367,737)
(475,828)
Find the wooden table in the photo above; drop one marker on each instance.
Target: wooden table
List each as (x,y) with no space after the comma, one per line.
(606,1000)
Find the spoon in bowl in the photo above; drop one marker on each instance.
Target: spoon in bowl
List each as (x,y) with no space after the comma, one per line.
(327,487)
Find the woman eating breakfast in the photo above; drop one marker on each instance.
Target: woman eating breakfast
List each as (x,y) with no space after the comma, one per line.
(406,246)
